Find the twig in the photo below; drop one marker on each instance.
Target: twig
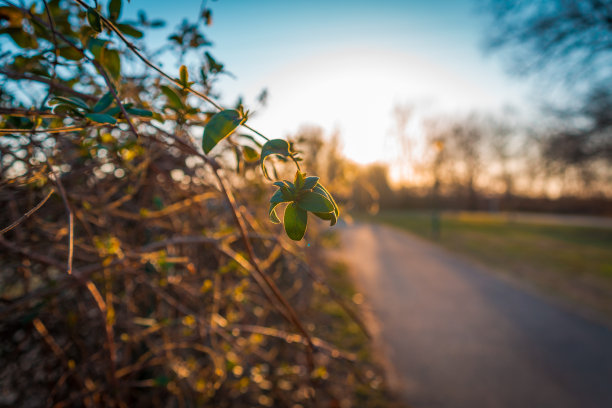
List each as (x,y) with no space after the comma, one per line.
(28,214)
(60,187)
(52,130)
(269,282)
(28,76)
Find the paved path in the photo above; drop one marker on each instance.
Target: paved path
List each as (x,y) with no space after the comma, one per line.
(459,337)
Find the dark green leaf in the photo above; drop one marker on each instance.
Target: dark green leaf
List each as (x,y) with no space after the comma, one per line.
(275,146)
(299,180)
(315,202)
(220,126)
(279,197)
(310,182)
(281,183)
(70,53)
(115,110)
(161,381)
(101,118)
(140,112)
(296,220)
(323,191)
(114,9)
(129,30)
(104,102)
(213,66)
(174,100)
(65,109)
(112,63)
(96,46)
(21,37)
(250,154)
(74,101)
(287,189)
(94,19)
(328,217)
(272,213)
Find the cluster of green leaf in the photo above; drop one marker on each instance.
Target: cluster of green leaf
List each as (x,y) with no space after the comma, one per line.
(143,259)
(303,194)
(102,111)
(221,125)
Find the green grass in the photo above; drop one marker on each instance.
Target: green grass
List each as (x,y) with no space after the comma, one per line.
(574,261)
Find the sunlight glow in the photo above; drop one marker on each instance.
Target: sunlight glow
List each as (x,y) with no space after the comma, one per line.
(354,92)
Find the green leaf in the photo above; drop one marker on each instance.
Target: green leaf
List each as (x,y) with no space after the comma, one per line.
(220,126)
(21,37)
(74,101)
(174,100)
(101,118)
(140,112)
(328,217)
(94,19)
(310,182)
(272,213)
(103,103)
(213,66)
(287,189)
(115,110)
(281,183)
(315,202)
(279,197)
(65,109)
(323,191)
(114,9)
(112,63)
(275,146)
(184,75)
(250,154)
(299,180)
(70,53)
(129,30)
(296,220)
(96,46)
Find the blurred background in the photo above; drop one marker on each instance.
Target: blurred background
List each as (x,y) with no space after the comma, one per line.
(468,144)
(493,101)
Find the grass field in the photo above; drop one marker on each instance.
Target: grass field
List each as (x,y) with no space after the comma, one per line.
(568,260)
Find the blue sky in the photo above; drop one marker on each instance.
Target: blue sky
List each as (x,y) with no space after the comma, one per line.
(343,65)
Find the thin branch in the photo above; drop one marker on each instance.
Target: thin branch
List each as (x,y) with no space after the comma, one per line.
(65,129)
(253,260)
(60,186)
(28,76)
(28,112)
(112,90)
(28,214)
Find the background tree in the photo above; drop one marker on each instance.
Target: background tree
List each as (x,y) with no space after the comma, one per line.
(572,42)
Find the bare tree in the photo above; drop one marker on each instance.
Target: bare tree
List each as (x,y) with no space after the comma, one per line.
(571,37)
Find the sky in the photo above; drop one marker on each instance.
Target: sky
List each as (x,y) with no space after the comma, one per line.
(344,65)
